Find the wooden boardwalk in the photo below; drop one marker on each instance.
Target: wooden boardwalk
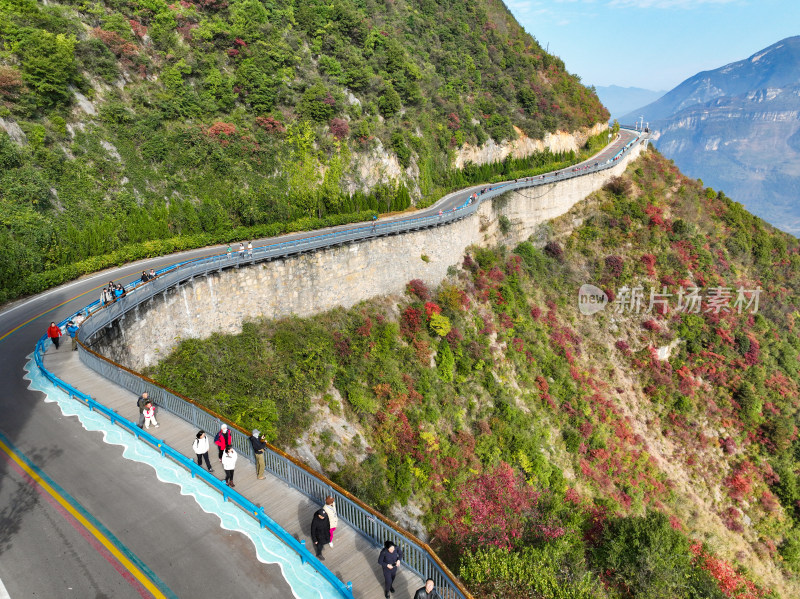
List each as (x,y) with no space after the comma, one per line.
(353,557)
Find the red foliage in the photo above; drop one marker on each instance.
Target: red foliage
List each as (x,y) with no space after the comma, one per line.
(453,121)
(492,509)
(614,266)
(731,583)
(221,131)
(366,328)
(432,308)
(536,312)
(411,322)
(622,346)
(116,43)
(739,483)
(651,325)
(270,125)
(418,288)
(454,337)
(554,250)
(138,29)
(340,128)
(649,260)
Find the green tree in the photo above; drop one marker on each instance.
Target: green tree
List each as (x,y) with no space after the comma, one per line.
(389,103)
(48,65)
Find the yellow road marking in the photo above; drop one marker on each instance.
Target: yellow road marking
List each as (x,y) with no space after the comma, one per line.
(128,564)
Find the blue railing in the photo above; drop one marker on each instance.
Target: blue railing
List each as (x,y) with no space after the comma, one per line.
(257,512)
(417,555)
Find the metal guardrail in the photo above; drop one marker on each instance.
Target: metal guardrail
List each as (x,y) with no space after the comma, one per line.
(228,494)
(418,556)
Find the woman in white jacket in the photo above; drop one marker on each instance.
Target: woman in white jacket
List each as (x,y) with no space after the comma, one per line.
(330,509)
(228,464)
(200,447)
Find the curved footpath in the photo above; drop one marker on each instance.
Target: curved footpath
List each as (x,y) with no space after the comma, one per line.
(78,519)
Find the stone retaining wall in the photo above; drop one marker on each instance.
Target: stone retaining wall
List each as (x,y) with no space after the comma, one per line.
(338,276)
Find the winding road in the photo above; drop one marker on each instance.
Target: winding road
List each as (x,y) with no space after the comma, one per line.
(79,520)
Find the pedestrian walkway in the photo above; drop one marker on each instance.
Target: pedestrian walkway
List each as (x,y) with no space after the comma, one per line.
(353,558)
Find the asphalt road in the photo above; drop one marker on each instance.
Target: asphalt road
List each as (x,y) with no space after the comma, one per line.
(45,550)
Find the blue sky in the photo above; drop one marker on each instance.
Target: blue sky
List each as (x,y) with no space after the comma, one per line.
(654,44)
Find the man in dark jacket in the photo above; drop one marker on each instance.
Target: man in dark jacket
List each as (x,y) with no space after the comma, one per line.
(259,446)
(389,559)
(320,531)
(428,591)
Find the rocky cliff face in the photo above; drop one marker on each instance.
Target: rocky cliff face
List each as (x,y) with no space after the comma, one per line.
(737,129)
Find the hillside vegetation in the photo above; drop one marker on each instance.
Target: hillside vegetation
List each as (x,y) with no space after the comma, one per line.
(197,122)
(549,453)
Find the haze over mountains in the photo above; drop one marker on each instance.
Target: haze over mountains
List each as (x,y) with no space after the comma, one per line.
(737,129)
(622,100)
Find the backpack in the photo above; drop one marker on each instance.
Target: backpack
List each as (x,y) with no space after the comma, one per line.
(141,402)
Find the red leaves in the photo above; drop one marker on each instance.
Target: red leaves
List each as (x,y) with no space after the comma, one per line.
(270,125)
(410,322)
(420,289)
(340,129)
(493,509)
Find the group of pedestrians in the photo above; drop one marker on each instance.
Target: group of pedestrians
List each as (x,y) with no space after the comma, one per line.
(111,293)
(241,251)
(325,520)
(55,332)
(148,276)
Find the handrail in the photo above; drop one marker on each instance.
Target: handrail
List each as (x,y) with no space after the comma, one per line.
(228,494)
(372,524)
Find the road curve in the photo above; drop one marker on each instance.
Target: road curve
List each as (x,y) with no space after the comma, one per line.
(44,549)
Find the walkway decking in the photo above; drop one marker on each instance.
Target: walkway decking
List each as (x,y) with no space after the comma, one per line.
(353,557)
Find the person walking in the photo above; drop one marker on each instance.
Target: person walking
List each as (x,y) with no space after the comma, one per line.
(241,251)
(389,560)
(320,531)
(258,441)
(200,447)
(54,333)
(428,591)
(228,464)
(149,414)
(141,402)
(250,249)
(72,330)
(333,517)
(223,439)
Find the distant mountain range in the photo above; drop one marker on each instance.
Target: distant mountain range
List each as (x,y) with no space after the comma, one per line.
(738,129)
(621,100)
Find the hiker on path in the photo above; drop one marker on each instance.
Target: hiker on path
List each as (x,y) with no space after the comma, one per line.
(258,441)
(72,330)
(428,591)
(141,402)
(333,518)
(389,560)
(200,447)
(250,249)
(54,333)
(228,464)
(149,414)
(320,531)
(223,439)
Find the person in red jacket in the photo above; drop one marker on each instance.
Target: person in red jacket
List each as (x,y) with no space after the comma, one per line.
(223,439)
(54,333)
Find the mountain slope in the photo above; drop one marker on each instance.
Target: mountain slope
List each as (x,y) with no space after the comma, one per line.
(127,122)
(635,452)
(774,67)
(737,128)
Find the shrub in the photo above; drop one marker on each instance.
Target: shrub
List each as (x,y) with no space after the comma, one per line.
(554,250)
(440,324)
(646,556)
(340,129)
(445,362)
(419,288)
(614,266)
